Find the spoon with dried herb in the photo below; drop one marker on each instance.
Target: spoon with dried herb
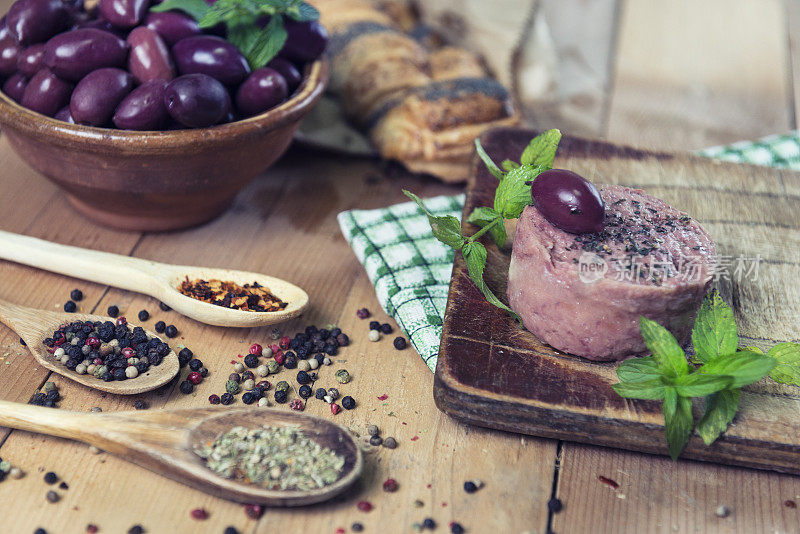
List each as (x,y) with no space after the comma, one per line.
(216,449)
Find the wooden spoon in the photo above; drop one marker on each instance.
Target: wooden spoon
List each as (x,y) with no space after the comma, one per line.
(34,326)
(159,280)
(164,441)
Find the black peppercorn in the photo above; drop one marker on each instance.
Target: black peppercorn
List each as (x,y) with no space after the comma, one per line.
(343,340)
(203,372)
(70,306)
(160,326)
(22,342)
(324,333)
(357,527)
(164,307)
(363,313)
(186,387)
(336,331)
(195,364)
(171,331)
(290,360)
(251,361)
(136,529)
(53,395)
(139,405)
(470,487)
(226,398)
(386,328)
(230,530)
(184,356)
(331,350)
(374,325)
(76,295)
(555,505)
(456,528)
(320,358)
(248,397)
(40,531)
(429,523)
(303,378)
(281,396)
(399,343)
(348,403)
(119,374)
(320,393)
(144,315)
(50,477)
(305,391)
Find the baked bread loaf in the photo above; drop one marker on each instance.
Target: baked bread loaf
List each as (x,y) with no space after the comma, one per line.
(419,106)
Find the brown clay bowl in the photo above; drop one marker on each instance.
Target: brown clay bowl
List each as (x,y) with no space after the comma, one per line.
(148,181)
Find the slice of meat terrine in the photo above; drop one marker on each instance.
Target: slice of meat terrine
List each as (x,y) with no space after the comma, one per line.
(583,293)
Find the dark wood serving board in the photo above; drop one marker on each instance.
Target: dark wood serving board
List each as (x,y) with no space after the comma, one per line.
(491,373)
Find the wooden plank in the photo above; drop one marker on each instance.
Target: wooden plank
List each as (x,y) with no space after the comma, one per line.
(793,30)
(284,224)
(691,75)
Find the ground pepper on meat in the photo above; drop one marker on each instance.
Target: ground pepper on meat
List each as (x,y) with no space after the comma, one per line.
(249,297)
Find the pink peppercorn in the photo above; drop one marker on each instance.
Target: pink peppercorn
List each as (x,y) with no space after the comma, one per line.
(284,342)
(340,530)
(253,511)
(364,506)
(297,404)
(121,321)
(195,377)
(128,352)
(390,485)
(279,358)
(264,384)
(256,349)
(274,348)
(199,514)
(91,529)
(97,361)
(93,342)
(363,313)
(335,408)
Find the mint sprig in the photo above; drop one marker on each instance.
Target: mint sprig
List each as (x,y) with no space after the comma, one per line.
(716,372)
(512,195)
(244,20)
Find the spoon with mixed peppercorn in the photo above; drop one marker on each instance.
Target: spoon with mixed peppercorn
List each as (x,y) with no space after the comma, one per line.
(220,297)
(169,443)
(98,352)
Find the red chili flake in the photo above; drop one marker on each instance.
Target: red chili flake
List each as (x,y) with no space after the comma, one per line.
(790,504)
(279,358)
(415,438)
(383,397)
(335,408)
(256,349)
(608,482)
(444,504)
(429,486)
(239,356)
(200,514)
(248,297)
(297,404)
(253,511)
(390,485)
(233,361)
(91,529)
(340,530)
(364,506)
(284,342)
(404,423)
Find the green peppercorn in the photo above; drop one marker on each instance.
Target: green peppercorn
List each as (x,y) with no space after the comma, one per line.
(342,376)
(283,385)
(273,367)
(49,386)
(232,387)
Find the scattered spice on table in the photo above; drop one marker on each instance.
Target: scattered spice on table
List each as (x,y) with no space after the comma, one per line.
(357,527)
(248,297)
(230,530)
(608,482)
(92,529)
(363,313)
(136,529)
(143,315)
(429,523)
(253,511)
(171,331)
(722,511)
(273,457)
(199,513)
(790,504)
(374,335)
(52,496)
(456,528)
(400,343)
(555,505)
(364,506)
(70,306)
(390,485)
(390,443)
(76,295)
(415,438)
(383,397)
(140,405)
(112,311)
(50,478)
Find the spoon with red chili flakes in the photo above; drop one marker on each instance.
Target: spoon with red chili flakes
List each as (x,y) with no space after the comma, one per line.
(220,297)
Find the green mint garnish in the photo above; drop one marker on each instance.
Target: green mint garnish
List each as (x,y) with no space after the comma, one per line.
(241,18)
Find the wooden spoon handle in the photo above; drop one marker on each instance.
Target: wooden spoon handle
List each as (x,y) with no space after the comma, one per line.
(102,267)
(49,421)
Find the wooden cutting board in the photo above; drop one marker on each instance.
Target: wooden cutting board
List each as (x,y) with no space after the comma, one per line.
(491,373)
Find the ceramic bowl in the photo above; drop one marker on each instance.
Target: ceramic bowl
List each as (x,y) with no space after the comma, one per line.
(150,181)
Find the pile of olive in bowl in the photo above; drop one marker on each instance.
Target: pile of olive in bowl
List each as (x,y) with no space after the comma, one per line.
(119,65)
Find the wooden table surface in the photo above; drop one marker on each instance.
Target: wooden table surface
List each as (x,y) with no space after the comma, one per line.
(685,74)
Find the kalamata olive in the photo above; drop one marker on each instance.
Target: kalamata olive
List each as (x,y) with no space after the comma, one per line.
(124,13)
(149,58)
(144,108)
(65,115)
(35,21)
(197,100)
(289,72)
(568,201)
(9,55)
(31,60)
(3,28)
(99,24)
(171,26)
(213,56)
(74,54)
(305,41)
(15,87)
(46,93)
(97,96)
(265,88)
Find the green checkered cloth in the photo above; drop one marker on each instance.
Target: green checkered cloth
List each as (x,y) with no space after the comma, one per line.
(411,269)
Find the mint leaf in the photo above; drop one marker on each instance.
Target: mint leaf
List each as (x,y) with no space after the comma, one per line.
(714,333)
(541,151)
(514,191)
(664,347)
(787,357)
(196,9)
(267,44)
(677,421)
(744,367)
(446,229)
(484,216)
(641,369)
(720,410)
(475,258)
(700,385)
(490,165)
(509,165)
(653,389)
(304,12)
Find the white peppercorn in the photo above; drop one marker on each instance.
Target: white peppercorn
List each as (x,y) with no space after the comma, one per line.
(131,371)
(238,367)
(303,365)
(267,352)
(59,352)
(374,335)
(249,384)
(327,361)
(80,369)
(262,370)
(263,401)
(15,472)
(90,369)
(313,363)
